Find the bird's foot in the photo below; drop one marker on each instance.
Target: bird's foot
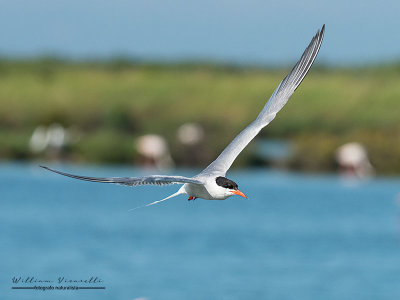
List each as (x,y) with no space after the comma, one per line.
(192,198)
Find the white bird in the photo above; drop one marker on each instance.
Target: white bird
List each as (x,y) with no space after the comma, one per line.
(211,183)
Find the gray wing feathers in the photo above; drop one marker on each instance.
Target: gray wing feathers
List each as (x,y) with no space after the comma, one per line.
(292,81)
(278,99)
(133,181)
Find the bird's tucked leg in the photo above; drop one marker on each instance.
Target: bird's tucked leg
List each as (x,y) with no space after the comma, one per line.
(192,198)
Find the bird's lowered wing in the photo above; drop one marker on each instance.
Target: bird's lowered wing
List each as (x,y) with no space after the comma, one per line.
(278,99)
(133,181)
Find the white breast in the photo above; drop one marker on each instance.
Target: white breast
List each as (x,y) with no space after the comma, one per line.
(209,191)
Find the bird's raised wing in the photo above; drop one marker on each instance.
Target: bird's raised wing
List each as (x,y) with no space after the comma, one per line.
(278,99)
(133,181)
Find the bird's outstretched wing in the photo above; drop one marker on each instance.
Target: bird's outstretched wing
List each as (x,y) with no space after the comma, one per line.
(133,181)
(278,99)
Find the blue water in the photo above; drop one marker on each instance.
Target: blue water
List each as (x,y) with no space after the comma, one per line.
(296,237)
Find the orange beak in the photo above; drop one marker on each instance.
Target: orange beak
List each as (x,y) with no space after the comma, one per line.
(239,193)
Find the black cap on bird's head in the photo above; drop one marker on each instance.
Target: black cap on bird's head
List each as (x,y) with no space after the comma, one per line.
(230,185)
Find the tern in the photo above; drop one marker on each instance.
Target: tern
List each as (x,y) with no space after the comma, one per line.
(211,183)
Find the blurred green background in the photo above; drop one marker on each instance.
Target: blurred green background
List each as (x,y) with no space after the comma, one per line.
(107,105)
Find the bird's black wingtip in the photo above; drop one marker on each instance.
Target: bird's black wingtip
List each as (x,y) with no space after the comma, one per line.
(46,168)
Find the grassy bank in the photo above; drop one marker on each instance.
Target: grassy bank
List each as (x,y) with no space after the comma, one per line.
(108,105)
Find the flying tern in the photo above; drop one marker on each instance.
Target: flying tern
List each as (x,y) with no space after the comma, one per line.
(211,183)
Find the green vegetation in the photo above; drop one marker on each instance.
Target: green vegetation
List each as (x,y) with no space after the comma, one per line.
(109,104)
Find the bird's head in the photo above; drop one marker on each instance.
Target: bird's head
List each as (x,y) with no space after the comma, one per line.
(229,186)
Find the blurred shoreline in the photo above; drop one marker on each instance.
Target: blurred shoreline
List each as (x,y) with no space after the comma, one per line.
(104,107)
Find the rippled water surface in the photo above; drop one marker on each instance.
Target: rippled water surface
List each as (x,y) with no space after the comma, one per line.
(296,237)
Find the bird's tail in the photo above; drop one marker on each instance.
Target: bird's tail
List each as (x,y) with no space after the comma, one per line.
(179,192)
